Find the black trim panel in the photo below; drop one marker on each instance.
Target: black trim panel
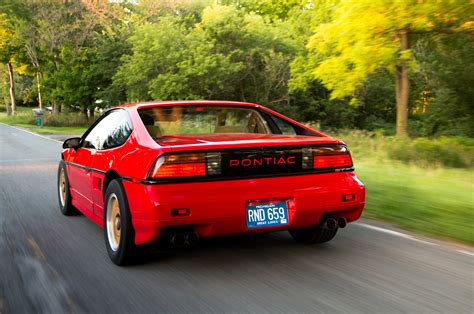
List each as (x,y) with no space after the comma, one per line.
(95,170)
(84,167)
(209,179)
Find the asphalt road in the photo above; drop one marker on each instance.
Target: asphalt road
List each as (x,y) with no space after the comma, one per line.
(54,264)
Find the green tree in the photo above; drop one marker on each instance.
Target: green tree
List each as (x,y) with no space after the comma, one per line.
(228,55)
(274,10)
(448,73)
(64,43)
(8,48)
(366,35)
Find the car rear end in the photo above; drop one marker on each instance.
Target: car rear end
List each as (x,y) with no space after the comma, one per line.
(246,186)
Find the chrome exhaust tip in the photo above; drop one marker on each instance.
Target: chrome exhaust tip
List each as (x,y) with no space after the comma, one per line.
(330,224)
(342,222)
(178,240)
(192,239)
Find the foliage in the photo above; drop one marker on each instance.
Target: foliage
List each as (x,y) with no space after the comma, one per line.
(25,118)
(364,36)
(455,152)
(448,77)
(88,54)
(228,55)
(272,9)
(443,151)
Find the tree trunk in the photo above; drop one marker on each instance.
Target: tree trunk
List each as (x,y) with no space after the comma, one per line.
(84,112)
(90,114)
(38,84)
(55,107)
(402,90)
(12,88)
(6,99)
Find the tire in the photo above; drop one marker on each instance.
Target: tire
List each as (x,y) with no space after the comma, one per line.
(313,235)
(118,230)
(64,193)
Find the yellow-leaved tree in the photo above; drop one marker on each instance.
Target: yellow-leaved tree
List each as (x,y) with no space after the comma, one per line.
(6,54)
(365,35)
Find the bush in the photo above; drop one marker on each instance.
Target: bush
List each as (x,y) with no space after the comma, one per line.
(66,119)
(449,152)
(455,152)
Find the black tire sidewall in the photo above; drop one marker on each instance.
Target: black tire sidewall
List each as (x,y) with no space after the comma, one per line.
(126,248)
(67,209)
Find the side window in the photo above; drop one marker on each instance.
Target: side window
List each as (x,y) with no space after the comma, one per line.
(112,131)
(285,127)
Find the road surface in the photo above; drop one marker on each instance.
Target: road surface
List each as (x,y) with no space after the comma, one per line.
(54,264)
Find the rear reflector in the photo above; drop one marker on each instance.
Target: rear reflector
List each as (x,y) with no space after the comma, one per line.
(348,197)
(179,211)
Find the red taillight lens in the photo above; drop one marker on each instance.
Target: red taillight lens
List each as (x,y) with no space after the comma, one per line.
(334,161)
(186,165)
(330,156)
(180,170)
(179,165)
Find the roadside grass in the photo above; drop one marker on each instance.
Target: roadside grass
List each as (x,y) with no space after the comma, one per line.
(431,199)
(414,188)
(53,129)
(437,201)
(68,123)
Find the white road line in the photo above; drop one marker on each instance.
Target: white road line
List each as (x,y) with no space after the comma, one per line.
(32,133)
(406,236)
(466,252)
(394,233)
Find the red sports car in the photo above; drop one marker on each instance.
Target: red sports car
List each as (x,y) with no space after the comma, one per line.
(180,171)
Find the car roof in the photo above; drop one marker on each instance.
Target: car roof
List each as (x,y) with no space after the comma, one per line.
(142,105)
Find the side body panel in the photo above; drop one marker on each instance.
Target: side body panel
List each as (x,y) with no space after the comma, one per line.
(79,163)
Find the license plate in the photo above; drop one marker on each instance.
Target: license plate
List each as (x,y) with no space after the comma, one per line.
(269,214)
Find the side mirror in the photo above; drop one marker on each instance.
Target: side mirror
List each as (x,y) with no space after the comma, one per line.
(72,142)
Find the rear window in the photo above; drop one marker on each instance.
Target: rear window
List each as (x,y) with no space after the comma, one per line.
(182,120)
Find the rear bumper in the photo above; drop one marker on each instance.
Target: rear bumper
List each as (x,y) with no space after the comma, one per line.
(218,208)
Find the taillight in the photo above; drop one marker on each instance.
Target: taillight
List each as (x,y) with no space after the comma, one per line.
(186,165)
(336,161)
(330,156)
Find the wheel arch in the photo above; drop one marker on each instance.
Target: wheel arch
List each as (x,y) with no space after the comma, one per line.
(109,176)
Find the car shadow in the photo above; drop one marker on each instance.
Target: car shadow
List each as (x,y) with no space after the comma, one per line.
(254,246)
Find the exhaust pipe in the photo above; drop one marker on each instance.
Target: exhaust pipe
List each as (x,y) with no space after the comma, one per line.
(330,224)
(342,222)
(178,240)
(192,239)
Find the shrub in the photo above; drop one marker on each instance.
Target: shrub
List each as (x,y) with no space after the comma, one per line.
(66,119)
(456,152)
(449,152)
